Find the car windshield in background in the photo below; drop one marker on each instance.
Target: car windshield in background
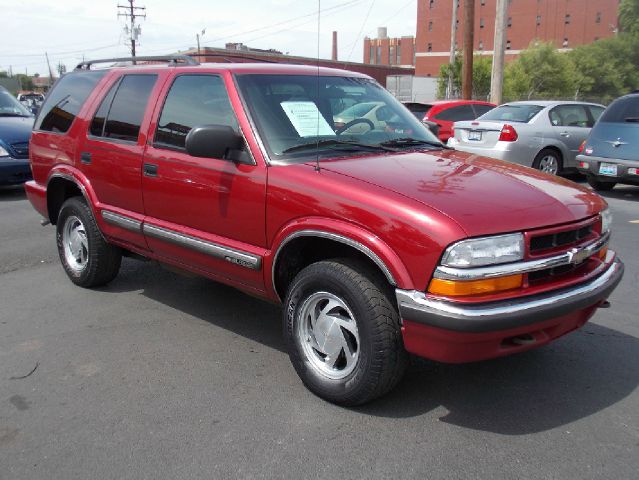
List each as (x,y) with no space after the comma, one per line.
(10,107)
(302,115)
(512,113)
(623,110)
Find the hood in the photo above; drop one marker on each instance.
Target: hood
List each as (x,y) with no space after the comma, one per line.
(483,195)
(15,129)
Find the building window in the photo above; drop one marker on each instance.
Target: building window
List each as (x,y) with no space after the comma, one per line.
(371,55)
(379,55)
(483,2)
(431,4)
(538,20)
(481,44)
(481,23)
(398,50)
(508,45)
(430,26)
(391,54)
(567,19)
(430,47)
(510,21)
(565,44)
(598,18)
(596,38)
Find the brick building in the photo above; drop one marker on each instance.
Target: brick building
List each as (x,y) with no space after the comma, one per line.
(389,51)
(567,23)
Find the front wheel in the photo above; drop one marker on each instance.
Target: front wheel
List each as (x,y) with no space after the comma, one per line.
(85,255)
(342,332)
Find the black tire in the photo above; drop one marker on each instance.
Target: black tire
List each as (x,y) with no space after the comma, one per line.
(101,259)
(539,162)
(598,185)
(381,359)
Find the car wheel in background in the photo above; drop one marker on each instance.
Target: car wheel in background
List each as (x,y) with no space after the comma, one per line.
(548,161)
(85,255)
(342,331)
(600,186)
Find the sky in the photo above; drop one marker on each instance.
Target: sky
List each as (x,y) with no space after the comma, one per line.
(70,30)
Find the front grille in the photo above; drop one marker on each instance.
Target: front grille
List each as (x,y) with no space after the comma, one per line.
(559,239)
(21,149)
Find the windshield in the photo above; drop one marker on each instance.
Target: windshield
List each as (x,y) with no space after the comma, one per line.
(10,107)
(512,113)
(303,115)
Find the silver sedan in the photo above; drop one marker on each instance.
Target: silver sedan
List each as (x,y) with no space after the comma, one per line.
(540,134)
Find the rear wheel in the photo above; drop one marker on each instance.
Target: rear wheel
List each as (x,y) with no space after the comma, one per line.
(85,255)
(342,332)
(548,161)
(600,186)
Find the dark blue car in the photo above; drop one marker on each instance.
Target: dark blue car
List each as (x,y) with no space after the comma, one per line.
(610,155)
(15,130)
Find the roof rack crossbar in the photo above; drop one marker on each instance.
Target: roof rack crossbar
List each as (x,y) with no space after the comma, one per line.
(171,59)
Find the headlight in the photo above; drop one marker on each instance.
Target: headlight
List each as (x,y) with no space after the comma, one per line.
(3,152)
(476,252)
(606,220)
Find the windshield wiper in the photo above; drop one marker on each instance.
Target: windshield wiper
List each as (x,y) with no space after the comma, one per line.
(346,144)
(412,142)
(12,114)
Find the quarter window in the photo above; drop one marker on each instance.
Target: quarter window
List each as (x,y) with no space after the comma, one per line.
(65,100)
(193,100)
(569,116)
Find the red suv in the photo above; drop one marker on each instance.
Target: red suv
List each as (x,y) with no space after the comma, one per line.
(442,114)
(377,241)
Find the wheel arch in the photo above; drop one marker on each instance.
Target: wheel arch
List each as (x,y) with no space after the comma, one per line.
(60,187)
(298,249)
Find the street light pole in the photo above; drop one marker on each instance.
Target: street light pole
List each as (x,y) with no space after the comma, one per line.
(197,36)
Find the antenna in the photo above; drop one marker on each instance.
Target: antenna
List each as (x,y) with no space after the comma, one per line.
(319,11)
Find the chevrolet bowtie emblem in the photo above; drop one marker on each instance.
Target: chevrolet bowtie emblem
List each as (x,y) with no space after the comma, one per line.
(616,143)
(578,255)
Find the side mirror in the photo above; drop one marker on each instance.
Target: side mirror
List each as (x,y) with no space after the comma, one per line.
(213,141)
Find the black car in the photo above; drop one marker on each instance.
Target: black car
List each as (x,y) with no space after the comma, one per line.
(15,130)
(610,154)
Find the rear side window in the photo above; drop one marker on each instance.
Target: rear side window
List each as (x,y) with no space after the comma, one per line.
(65,100)
(192,101)
(456,114)
(127,107)
(569,116)
(481,109)
(623,110)
(513,113)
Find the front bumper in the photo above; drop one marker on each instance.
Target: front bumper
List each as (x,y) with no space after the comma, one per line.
(622,168)
(455,332)
(14,171)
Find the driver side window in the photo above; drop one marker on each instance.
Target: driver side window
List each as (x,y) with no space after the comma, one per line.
(193,100)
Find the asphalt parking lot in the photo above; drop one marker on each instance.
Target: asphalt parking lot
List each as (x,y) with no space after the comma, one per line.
(164,376)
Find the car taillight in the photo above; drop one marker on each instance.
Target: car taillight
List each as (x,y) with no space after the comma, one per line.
(508,134)
(581,147)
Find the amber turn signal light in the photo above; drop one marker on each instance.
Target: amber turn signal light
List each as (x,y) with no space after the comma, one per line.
(456,288)
(603,252)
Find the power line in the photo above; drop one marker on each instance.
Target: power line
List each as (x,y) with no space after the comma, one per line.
(134,30)
(361,29)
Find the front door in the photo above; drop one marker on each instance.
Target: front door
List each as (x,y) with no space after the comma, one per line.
(205,213)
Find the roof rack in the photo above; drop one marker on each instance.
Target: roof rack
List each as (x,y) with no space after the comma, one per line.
(171,59)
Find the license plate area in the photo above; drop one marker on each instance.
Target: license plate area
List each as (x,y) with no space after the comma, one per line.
(609,169)
(474,135)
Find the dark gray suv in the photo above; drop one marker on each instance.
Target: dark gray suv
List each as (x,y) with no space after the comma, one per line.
(610,155)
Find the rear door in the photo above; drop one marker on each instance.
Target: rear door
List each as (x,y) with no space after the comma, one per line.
(111,155)
(205,213)
(570,125)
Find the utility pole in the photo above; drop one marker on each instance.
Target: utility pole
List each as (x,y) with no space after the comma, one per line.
(49,66)
(469,36)
(453,41)
(197,36)
(130,14)
(499,47)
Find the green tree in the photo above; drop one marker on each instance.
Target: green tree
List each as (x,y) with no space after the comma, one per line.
(629,16)
(482,66)
(540,71)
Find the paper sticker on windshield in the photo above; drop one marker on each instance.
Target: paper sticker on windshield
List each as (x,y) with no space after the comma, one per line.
(307,119)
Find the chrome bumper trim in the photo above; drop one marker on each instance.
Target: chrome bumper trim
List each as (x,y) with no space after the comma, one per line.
(237,257)
(505,314)
(574,255)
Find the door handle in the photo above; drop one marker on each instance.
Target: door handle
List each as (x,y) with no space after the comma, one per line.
(85,157)
(150,170)
(565,134)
